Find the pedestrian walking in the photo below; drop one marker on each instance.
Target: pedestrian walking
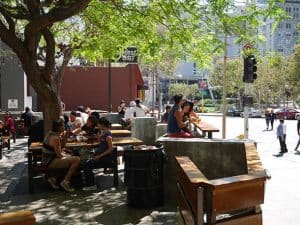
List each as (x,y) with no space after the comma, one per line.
(281,135)
(267,118)
(298,130)
(272,118)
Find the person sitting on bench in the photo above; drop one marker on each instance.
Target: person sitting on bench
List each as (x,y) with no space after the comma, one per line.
(176,127)
(102,157)
(54,158)
(190,115)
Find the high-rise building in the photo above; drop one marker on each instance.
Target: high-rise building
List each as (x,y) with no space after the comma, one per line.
(286,35)
(283,39)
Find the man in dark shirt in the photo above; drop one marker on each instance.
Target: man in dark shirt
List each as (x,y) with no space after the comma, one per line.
(27,117)
(164,118)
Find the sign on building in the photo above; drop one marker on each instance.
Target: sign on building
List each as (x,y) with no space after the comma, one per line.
(12,103)
(129,56)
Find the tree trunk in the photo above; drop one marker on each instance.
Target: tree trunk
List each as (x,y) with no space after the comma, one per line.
(51,109)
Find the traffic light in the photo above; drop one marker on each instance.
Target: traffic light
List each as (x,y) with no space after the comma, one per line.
(250,69)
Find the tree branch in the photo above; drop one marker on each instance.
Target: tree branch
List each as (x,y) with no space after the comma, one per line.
(66,51)
(57,14)
(9,38)
(8,19)
(50,52)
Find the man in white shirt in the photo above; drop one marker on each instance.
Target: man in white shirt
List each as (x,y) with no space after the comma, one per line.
(129,112)
(128,116)
(139,109)
(84,116)
(75,122)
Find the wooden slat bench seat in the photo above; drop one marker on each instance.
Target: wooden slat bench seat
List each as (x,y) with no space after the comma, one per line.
(239,197)
(22,217)
(206,128)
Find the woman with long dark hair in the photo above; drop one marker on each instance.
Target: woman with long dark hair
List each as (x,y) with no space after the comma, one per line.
(176,127)
(54,158)
(102,156)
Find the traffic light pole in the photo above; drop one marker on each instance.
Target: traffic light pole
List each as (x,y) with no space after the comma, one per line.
(246,113)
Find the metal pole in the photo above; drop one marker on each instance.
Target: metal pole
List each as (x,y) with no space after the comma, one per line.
(224,101)
(202,95)
(109,87)
(246,113)
(153,90)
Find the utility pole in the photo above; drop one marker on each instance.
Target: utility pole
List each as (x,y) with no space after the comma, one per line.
(224,100)
(246,113)
(109,86)
(249,77)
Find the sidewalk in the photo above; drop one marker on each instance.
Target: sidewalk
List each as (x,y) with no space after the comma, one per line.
(106,206)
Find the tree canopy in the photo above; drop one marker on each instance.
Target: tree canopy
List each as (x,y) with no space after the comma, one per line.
(45,34)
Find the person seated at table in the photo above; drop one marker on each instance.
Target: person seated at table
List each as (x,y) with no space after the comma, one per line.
(122,108)
(139,109)
(4,132)
(129,115)
(176,125)
(102,157)
(74,122)
(189,113)
(96,114)
(164,118)
(81,111)
(36,132)
(54,158)
(90,128)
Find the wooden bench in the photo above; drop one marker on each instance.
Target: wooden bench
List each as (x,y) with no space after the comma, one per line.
(239,197)
(206,128)
(22,217)
(231,200)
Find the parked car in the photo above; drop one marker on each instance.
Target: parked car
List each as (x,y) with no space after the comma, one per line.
(297,117)
(287,114)
(232,111)
(252,112)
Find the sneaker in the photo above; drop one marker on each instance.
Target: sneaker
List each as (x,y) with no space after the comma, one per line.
(66,186)
(52,182)
(90,188)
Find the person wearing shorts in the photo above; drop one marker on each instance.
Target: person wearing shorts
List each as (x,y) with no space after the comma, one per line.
(54,158)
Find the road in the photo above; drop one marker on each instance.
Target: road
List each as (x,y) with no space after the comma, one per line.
(282,199)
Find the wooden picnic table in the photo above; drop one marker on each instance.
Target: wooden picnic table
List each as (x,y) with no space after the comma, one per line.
(120,133)
(76,144)
(206,127)
(116,126)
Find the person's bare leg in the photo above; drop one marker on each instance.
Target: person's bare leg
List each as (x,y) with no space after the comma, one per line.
(75,162)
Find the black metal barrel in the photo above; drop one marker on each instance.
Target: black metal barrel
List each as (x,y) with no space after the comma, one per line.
(144,176)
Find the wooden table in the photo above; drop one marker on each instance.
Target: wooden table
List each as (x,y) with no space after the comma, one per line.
(120,133)
(116,126)
(116,142)
(206,127)
(127,141)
